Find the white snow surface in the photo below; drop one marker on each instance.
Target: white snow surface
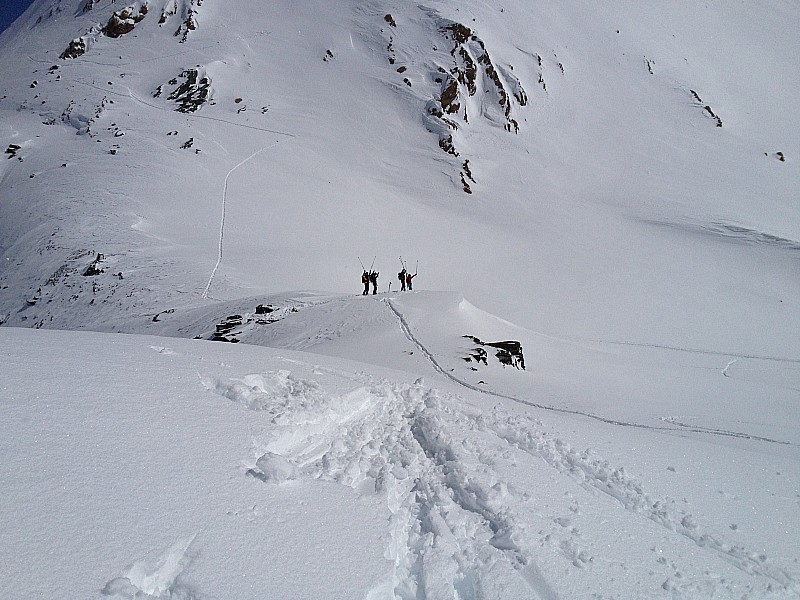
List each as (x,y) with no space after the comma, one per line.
(610,186)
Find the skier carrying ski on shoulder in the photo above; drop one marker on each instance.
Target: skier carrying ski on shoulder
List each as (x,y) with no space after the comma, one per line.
(402,277)
(365,280)
(373,277)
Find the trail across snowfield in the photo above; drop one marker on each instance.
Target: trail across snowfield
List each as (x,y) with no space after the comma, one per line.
(677,426)
(712,394)
(224,209)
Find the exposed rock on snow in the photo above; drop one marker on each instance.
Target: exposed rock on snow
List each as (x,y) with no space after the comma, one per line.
(472,87)
(508,353)
(464,78)
(224,330)
(124,21)
(193,93)
(12,150)
(234,327)
(187,12)
(76,48)
(706,108)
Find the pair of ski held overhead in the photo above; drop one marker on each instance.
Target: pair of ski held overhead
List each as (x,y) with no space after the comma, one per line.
(370,277)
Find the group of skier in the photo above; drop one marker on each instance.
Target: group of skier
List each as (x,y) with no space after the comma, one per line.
(370,277)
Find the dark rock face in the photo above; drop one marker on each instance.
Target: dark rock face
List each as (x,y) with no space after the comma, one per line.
(76,48)
(192,93)
(509,353)
(94,268)
(123,21)
(224,331)
(12,150)
(470,86)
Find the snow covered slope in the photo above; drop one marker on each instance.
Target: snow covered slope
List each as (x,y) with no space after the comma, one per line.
(607,404)
(224,150)
(136,467)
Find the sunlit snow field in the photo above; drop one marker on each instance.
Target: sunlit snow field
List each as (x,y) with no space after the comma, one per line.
(609,188)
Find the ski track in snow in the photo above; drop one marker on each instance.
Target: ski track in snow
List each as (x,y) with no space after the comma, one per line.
(143,102)
(696,351)
(224,207)
(681,427)
(449,528)
(459,522)
(191,116)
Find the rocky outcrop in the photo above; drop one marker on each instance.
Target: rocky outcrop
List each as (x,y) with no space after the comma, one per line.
(186,11)
(469,87)
(12,150)
(76,48)
(509,353)
(706,108)
(192,92)
(123,21)
(473,70)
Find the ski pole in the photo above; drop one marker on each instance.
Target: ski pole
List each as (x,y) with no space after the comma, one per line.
(361,263)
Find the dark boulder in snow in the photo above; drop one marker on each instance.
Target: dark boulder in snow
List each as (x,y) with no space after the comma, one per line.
(123,21)
(76,48)
(508,352)
(193,92)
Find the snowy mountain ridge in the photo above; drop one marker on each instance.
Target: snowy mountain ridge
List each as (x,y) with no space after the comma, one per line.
(605,408)
(499,126)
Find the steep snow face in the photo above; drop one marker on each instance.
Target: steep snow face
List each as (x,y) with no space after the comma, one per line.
(613,172)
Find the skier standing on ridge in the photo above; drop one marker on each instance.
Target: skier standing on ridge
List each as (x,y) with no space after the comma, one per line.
(373,277)
(402,277)
(409,277)
(365,281)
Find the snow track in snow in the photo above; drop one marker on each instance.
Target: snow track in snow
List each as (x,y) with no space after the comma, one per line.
(680,426)
(462,515)
(224,207)
(449,529)
(188,116)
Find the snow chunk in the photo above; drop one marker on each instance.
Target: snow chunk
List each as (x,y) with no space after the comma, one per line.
(275,468)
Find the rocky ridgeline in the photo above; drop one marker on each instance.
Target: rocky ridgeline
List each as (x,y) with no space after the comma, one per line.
(125,20)
(471,74)
(186,12)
